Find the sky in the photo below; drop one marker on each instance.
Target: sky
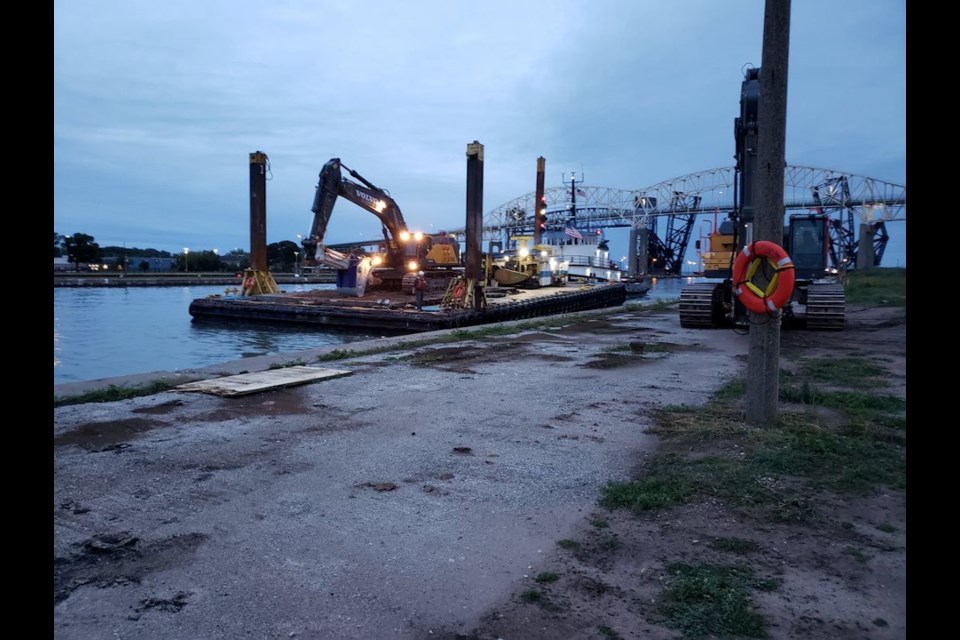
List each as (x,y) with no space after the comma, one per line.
(158,105)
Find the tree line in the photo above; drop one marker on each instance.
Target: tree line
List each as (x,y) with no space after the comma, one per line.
(81,249)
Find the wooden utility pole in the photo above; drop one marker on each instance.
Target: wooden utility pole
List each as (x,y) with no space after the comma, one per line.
(763,360)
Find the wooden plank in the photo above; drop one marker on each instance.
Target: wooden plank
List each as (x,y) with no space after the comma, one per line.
(246,383)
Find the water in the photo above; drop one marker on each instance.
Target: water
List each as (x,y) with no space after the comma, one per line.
(103,332)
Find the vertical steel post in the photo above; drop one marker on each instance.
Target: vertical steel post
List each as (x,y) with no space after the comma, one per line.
(538,203)
(763,360)
(474,227)
(865,255)
(258,211)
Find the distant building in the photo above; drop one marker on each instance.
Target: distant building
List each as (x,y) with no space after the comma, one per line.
(135,263)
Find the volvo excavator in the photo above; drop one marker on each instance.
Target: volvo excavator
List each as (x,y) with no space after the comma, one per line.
(818,300)
(403,253)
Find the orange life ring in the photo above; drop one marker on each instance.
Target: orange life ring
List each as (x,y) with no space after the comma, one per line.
(780,285)
(458,291)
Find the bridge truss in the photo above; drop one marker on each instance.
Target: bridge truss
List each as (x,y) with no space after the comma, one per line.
(668,210)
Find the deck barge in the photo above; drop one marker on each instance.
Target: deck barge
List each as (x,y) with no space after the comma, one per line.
(394,311)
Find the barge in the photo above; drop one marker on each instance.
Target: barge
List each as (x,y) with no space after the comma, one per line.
(394,311)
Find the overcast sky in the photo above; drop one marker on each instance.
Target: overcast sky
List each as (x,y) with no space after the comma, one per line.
(158,105)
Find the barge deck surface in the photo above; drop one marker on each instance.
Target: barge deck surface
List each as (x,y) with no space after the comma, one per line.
(394,310)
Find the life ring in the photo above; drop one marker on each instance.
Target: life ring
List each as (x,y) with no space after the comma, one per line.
(458,291)
(780,285)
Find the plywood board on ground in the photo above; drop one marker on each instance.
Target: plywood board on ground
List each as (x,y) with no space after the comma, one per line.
(246,383)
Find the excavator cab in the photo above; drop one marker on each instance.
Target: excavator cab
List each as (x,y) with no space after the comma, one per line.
(807,241)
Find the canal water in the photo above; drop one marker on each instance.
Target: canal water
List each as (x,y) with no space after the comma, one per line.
(104,332)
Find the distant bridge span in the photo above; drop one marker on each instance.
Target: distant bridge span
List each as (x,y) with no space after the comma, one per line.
(850,200)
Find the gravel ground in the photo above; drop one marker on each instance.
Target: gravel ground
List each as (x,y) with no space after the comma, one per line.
(408,497)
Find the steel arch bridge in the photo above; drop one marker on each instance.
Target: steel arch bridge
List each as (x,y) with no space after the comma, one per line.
(668,210)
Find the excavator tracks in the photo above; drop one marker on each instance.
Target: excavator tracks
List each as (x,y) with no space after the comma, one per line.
(826,307)
(700,306)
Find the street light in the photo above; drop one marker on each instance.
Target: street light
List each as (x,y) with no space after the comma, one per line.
(186,253)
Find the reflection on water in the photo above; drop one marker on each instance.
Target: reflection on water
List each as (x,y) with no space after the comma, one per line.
(102,332)
(669,288)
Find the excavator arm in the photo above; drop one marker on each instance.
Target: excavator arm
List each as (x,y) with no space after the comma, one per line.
(332,185)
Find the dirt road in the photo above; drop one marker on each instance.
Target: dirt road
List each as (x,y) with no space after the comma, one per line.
(411,499)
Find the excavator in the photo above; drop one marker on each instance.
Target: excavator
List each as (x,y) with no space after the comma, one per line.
(403,253)
(817,301)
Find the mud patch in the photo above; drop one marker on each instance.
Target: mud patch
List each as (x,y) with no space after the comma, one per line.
(112,559)
(378,486)
(460,359)
(170,605)
(105,436)
(266,403)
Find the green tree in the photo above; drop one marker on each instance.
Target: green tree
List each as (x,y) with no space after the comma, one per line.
(144,265)
(199,261)
(282,256)
(57,245)
(80,247)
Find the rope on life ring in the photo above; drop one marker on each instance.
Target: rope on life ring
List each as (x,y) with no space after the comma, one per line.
(780,287)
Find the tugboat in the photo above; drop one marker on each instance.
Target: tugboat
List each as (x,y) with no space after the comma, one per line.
(564,254)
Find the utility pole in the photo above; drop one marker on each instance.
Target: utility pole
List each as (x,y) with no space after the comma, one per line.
(763,360)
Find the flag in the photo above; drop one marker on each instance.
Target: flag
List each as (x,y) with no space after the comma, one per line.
(572,231)
(581,192)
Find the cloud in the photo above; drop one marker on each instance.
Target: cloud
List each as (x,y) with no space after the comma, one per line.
(157,106)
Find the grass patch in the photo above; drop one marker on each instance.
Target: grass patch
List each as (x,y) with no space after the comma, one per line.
(857,554)
(880,622)
(672,480)
(600,524)
(828,459)
(853,403)
(715,421)
(292,363)
(886,527)
(532,596)
(877,287)
(731,390)
(734,545)
(342,354)
(774,469)
(711,600)
(568,544)
(547,577)
(114,393)
(611,360)
(853,372)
